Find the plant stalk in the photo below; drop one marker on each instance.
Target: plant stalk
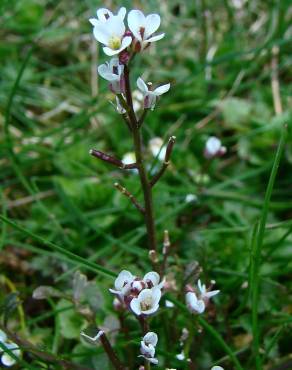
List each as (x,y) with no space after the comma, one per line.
(145,183)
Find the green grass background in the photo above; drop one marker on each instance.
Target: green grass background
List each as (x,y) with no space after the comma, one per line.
(221,61)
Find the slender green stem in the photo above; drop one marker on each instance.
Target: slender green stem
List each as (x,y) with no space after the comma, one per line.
(255,275)
(145,183)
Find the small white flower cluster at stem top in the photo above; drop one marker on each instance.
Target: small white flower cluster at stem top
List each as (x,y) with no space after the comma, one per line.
(141,296)
(147,349)
(6,359)
(198,299)
(122,44)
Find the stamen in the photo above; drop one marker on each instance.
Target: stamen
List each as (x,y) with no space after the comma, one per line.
(114,42)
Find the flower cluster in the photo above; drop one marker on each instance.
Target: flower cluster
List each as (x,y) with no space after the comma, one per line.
(147,349)
(122,44)
(141,296)
(6,359)
(198,299)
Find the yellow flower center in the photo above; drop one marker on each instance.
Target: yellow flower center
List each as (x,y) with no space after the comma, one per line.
(146,304)
(114,43)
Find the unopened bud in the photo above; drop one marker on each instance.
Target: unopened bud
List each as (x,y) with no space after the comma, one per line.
(118,305)
(166,242)
(153,256)
(124,57)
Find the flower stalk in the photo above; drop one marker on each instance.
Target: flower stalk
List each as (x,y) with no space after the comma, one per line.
(145,183)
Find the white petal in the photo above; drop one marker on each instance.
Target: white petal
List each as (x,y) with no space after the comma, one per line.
(169,304)
(135,306)
(151,100)
(161,89)
(142,86)
(145,294)
(126,42)
(200,308)
(156,295)
(147,350)
(153,276)
(152,24)
(191,298)
(213,144)
(150,338)
(93,21)
(3,336)
(181,356)
(153,360)
(136,20)
(193,304)
(211,294)
(101,33)
(102,12)
(156,38)
(123,278)
(202,287)
(217,368)
(161,284)
(110,52)
(7,360)
(105,72)
(122,12)
(116,26)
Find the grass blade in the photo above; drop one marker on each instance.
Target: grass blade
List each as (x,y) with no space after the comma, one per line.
(81,261)
(254,276)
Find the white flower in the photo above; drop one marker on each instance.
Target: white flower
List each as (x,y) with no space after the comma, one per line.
(152,279)
(130,158)
(150,338)
(6,359)
(113,72)
(103,14)
(169,304)
(143,27)
(190,198)
(194,304)
(157,149)
(181,356)
(214,148)
(137,100)
(204,293)
(147,302)
(110,32)
(148,345)
(217,368)
(197,304)
(123,283)
(150,97)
